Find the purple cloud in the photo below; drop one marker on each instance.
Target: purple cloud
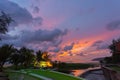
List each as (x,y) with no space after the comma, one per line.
(19,15)
(69,47)
(115,25)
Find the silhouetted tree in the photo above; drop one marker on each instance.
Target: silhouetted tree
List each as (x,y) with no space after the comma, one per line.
(5,20)
(39,55)
(112,46)
(15,59)
(115,50)
(45,56)
(108,59)
(5,52)
(26,56)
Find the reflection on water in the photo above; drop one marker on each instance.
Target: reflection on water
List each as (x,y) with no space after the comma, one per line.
(77,72)
(80,71)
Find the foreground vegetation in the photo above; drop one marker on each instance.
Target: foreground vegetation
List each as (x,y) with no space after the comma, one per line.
(52,75)
(25,74)
(115,51)
(116,68)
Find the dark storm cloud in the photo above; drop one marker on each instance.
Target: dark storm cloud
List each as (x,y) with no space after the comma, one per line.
(57,42)
(37,21)
(113,25)
(96,43)
(103,46)
(7,37)
(100,45)
(36,9)
(55,50)
(41,39)
(41,35)
(19,15)
(66,48)
(80,54)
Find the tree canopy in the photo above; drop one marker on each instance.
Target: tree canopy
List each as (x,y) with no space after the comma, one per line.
(5,20)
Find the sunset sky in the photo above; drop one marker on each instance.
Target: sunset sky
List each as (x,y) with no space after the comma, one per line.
(70,30)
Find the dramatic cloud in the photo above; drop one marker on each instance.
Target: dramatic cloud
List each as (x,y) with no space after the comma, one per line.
(19,15)
(56,42)
(37,21)
(55,50)
(69,47)
(103,47)
(36,9)
(42,35)
(41,24)
(41,39)
(100,45)
(82,54)
(7,37)
(97,43)
(115,25)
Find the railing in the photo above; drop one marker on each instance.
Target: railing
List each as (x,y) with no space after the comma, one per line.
(110,74)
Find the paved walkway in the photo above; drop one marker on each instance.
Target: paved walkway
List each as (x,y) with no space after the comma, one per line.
(3,76)
(39,76)
(94,75)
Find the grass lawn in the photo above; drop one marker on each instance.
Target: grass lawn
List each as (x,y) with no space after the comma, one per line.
(20,76)
(52,75)
(116,68)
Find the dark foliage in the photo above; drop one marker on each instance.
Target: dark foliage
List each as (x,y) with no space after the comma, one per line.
(5,20)
(5,52)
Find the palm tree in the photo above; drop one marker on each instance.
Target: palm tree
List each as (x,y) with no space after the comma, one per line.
(42,56)
(112,46)
(5,20)
(39,56)
(45,56)
(42,59)
(5,52)
(26,56)
(115,50)
(15,59)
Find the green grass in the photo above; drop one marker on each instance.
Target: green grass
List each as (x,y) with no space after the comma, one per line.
(116,68)
(52,75)
(18,76)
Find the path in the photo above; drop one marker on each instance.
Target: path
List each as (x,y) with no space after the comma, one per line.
(39,76)
(94,75)
(3,76)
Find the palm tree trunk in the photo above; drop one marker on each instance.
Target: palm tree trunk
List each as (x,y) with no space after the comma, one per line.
(1,67)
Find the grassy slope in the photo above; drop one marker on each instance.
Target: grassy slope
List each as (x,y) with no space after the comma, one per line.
(116,68)
(54,76)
